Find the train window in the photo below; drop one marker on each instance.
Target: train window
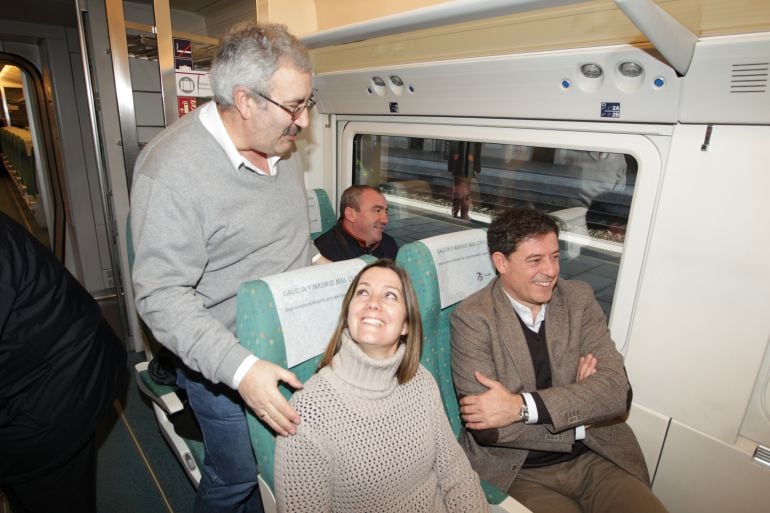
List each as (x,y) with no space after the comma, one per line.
(436,186)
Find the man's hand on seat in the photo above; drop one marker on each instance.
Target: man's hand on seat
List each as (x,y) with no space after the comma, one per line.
(259,389)
(495,408)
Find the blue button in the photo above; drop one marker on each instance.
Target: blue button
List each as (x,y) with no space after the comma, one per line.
(660,82)
(565,84)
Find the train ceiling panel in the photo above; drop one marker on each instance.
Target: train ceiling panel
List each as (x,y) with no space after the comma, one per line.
(728,81)
(614,84)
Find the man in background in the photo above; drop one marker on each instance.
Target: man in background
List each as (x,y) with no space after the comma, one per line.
(361,227)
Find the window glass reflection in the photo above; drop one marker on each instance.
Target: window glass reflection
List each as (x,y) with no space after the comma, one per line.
(436,186)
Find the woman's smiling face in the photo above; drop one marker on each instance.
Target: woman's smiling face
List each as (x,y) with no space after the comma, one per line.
(377,313)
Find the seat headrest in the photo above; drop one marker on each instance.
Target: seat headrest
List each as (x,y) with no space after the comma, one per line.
(314,211)
(308,302)
(462,262)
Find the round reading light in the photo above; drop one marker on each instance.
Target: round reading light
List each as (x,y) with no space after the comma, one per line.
(396,85)
(630,69)
(377,86)
(629,76)
(591,70)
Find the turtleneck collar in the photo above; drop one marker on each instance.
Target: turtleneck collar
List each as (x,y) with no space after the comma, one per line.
(373,377)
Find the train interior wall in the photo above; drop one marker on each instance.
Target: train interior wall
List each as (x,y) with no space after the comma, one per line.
(695,325)
(55,51)
(695,333)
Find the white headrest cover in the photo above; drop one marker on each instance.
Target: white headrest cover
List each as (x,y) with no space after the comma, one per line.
(462,263)
(308,302)
(314,210)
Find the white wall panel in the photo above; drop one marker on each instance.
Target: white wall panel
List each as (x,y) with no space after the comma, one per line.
(701,323)
(650,428)
(698,474)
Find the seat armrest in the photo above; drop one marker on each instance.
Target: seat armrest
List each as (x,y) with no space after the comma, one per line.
(164,396)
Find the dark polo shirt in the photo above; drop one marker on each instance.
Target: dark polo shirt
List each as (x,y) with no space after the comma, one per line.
(337,244)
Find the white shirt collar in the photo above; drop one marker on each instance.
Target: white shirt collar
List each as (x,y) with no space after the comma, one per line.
(209,117)
(525,313)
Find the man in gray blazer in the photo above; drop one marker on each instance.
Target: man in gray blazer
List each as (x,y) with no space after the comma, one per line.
(542,389)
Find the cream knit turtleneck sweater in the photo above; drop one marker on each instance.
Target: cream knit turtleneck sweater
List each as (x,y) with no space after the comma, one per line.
(368,444)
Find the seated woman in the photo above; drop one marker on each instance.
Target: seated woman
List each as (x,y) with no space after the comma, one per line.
(374,436)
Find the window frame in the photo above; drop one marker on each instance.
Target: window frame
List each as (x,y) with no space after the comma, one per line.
(648,144)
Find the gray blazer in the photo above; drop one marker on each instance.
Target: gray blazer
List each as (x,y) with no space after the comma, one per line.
(487,337)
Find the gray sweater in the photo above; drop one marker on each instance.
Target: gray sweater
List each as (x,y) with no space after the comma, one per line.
(200,228)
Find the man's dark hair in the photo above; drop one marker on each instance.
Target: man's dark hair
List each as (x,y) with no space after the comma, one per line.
(514,225)
(351,197)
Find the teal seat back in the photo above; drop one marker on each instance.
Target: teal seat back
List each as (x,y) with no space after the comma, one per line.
(321,212)
(431,263)
(445,270)
(164,395)
(264,312)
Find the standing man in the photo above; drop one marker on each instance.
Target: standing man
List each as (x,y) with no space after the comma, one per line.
(361,227)
(543,389)
(60,368)
(215,202)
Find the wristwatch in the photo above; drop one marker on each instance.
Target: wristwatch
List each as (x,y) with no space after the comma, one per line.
(524,411)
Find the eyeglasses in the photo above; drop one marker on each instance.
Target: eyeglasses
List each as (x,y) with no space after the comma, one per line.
(296,112)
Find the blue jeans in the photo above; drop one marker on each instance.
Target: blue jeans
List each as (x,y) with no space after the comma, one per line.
(229,474)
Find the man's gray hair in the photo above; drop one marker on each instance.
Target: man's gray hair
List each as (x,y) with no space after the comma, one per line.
(248,56)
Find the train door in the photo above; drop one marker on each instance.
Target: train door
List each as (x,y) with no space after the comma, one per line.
(27,184)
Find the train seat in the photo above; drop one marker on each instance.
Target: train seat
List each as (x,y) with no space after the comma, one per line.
(167,404)
(321,212)
(444,270)
(288,319)
(166,401)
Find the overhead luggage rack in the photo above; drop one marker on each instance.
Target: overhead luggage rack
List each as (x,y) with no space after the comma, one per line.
(142,43)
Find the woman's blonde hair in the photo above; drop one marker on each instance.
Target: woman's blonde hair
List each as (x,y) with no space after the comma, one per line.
(413,338)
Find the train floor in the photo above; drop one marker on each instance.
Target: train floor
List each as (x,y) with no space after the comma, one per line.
(136,470)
